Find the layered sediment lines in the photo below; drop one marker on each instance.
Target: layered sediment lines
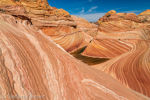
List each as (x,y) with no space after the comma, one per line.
(123,29)
(73,41)
(67,37)
(106,48)
(132,69)
(32,66)
(116,27)
(56,23)
(115,31)
(128,44)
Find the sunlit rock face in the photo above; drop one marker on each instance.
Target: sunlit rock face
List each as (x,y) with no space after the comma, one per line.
(33,66)
(122,25)
(7,2)
(145,17)
(113,16)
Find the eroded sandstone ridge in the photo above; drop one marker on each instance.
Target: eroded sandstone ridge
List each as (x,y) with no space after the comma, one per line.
(33,66)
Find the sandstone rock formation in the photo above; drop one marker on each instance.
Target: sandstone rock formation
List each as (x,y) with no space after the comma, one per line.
(145,17)
(106,48)
(113,16)
(111,30)
(32,66)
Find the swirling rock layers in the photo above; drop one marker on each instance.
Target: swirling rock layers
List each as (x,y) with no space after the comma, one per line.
(72,42)
(31,64)
(106,48)
(132,68)
(112,28)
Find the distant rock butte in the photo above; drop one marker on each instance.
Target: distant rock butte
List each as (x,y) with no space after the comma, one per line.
(121,25)
(113,16)
(32,65)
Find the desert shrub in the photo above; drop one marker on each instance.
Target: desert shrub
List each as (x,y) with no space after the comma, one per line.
(108,15)
(17,0)
(2,10)
(144,20)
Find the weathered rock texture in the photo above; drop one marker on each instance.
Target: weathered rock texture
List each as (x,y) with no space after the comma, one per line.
(33,66)
(145,17)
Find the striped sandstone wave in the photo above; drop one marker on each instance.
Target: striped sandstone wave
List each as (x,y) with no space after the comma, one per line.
(106,48)
(132,68)
(31,64)
(107,42)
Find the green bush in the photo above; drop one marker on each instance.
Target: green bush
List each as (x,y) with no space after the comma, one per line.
(2,10)
(108,15)
(144,20)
